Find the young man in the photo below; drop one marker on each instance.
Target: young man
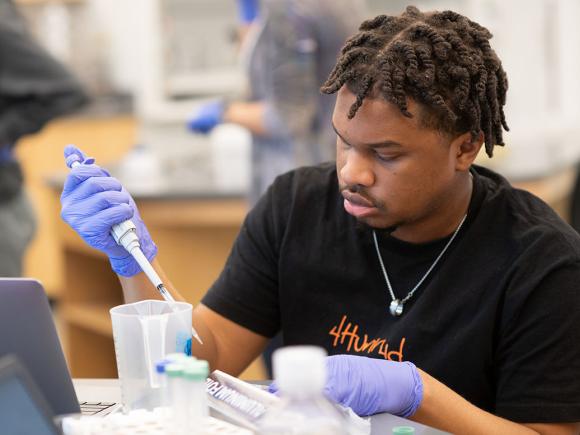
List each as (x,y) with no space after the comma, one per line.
(454,294)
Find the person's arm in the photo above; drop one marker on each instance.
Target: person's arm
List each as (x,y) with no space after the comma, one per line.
(370,386)
(289,104)
(240,310)
(227,346)
(536,366)
(444,409)
(247,114)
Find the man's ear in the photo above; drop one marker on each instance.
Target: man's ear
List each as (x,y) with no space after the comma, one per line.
(466,149)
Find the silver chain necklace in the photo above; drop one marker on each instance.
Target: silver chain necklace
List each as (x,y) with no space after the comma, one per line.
(396,306)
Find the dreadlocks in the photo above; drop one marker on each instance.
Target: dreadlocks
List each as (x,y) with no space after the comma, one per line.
(440,59)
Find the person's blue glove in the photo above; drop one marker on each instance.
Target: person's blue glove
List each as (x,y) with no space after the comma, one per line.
(92,202)
(248,10)
(371,386)
(206,117)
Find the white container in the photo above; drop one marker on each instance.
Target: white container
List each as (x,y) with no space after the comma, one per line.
(144,332)
(230,157)
(300,373)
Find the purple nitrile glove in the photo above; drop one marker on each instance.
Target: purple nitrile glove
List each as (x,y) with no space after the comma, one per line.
(248,10)
(371,386)
(206,116)
(92,202)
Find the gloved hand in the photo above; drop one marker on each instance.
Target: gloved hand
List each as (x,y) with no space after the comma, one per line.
(248,10)
(207,116)
(92,202)
(370,386)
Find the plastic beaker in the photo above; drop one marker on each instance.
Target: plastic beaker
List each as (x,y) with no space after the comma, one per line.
(144,332)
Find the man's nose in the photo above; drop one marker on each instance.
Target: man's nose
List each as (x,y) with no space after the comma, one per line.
(357,169)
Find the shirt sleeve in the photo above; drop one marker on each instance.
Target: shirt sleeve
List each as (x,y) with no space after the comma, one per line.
(538,356)
(246,292)
(34,87)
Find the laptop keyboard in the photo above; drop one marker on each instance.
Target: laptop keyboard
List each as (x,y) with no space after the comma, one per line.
(97,408)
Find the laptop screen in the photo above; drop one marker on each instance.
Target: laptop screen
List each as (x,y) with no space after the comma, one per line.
(19,413)
(23,408)
(27,331)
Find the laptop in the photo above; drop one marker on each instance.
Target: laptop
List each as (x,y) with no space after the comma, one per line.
(23,408)
(27,330)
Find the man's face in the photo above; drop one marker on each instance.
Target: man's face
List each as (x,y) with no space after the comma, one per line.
(392,172)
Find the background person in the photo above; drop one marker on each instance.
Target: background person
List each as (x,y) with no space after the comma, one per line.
(289,48)
(466,286)
(34,89)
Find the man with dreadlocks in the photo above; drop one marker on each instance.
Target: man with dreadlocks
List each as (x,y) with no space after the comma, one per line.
(442,293)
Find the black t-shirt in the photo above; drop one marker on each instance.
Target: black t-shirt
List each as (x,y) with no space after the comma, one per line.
(497,320)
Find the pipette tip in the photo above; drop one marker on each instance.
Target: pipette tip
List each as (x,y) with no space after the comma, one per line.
(196,336)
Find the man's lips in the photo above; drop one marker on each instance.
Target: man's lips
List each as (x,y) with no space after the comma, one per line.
(357,205)
(357,199)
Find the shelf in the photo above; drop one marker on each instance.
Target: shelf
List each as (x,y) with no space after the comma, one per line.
(92,317)
(194,213)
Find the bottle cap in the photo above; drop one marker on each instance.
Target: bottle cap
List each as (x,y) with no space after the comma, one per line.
(174,370)
(160,366)
(196,370)
(403,430)
(300,369)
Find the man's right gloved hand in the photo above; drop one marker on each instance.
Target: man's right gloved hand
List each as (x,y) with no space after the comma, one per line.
(92,202)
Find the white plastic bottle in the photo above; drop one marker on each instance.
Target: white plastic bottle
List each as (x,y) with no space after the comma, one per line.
(195,375)
(300,373)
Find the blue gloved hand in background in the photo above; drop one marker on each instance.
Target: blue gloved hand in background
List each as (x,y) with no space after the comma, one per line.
(92,202)
(248,10)
(371,386)
(207,116)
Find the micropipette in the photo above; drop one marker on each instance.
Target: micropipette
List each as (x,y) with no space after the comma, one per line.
(125,234)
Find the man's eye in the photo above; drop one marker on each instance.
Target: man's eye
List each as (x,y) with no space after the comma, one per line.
(386,157)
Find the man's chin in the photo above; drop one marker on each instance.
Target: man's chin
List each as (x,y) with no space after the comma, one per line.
(374,224)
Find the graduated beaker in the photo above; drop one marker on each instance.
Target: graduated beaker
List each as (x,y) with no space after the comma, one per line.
(144,332)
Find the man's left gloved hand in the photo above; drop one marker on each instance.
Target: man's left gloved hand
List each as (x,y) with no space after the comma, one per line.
(371,386)
(207,116)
